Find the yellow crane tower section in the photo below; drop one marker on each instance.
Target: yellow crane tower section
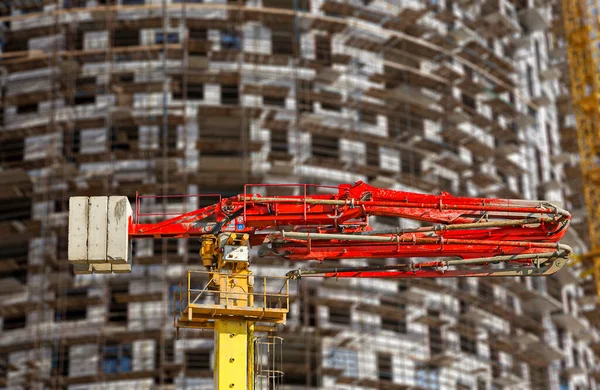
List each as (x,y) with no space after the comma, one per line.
(581,31)
(231,303)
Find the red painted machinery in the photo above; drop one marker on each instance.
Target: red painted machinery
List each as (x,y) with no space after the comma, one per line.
(467,236)
(470,236)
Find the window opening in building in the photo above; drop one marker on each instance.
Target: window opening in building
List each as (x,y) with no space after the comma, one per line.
(230,40)
(344,359)
(436,342)
(197,362)
(75,307)
(172,37)
(127,37)
(282,42)
(195,91)
(117,358)
(3,369)
(12,323)
(427,378)
(117,308)
(468,344)
(339,314)
(384,366)
(279,141)
(323,146)
(274,101)
(27,108)
(169,358)
(60,360)
(230,94)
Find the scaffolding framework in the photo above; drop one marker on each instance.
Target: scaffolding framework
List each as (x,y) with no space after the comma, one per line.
(198,98)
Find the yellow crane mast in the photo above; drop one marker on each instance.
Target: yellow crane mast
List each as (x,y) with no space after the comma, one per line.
(581,31)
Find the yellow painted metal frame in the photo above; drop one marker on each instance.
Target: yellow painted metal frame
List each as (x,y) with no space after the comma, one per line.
(233,311)
(231,304)
(581,32)
(231,355)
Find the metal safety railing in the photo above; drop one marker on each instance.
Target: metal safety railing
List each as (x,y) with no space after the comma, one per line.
(221,290)
(268,363)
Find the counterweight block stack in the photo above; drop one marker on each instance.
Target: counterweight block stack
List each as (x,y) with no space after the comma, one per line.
(98,234)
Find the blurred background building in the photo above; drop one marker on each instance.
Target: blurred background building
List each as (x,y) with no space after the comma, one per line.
(105,97)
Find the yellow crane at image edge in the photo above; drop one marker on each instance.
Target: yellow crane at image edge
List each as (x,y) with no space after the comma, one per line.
(580,19)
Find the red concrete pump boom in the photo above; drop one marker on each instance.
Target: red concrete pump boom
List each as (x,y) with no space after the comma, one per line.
(464,236)
(470,236)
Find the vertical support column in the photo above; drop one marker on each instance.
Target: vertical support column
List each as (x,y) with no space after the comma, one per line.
(234,349)
(231,355)
(251,354)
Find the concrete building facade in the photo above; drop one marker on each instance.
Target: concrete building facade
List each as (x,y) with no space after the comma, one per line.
(105,97)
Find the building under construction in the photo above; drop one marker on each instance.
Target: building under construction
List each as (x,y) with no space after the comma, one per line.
(187,97)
